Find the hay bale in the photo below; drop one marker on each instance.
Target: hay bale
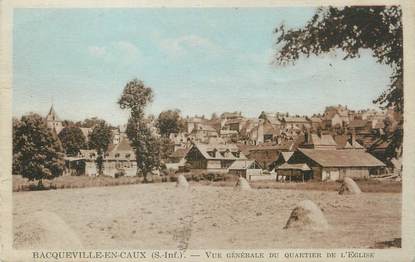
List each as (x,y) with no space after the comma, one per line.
(242,184)
(307,215)
(44,229)
(182,182)
(349,187)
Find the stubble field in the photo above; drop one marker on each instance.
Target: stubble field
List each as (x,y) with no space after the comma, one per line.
(201,217)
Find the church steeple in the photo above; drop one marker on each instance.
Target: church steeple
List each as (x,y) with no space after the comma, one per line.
(52,116)
(52,120)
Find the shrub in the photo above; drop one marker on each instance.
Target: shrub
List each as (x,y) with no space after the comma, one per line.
(119,173)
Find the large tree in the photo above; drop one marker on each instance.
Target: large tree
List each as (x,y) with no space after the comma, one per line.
(37,151)
(170,122)
(99,139)
(166,148)
(135,97)
(16,154)
(72,140)
(352,29)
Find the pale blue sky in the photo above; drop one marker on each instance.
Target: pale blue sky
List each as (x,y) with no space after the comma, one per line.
(197,60)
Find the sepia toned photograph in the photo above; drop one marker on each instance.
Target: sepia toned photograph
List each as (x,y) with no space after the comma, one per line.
(226,128)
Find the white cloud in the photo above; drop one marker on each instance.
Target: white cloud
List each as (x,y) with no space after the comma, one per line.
(127,48)
(97,51)
(183,45)
(120,51)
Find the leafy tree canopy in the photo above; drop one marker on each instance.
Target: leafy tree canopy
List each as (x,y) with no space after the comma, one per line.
(99,139)
(146,146)
(351,29)
(135,97)
(72,140)
(90,122)
(37,150)
(170,122)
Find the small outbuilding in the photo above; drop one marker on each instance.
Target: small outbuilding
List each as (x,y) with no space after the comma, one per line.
(245,168)
(294,172)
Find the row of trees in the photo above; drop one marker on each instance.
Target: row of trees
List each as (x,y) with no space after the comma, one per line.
(39,153)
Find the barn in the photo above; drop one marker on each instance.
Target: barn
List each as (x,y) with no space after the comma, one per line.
(337,164)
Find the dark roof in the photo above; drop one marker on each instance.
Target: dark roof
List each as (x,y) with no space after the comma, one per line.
(222,151)
(342,158)
(357,123)
(286,155)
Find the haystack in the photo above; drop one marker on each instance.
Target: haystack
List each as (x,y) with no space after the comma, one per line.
(349,187)
(307,215)
(182,182)
(242,184)
(45,229)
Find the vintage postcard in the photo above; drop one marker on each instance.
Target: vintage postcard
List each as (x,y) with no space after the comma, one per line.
(221,131)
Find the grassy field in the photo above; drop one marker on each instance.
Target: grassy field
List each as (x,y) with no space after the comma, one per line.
(366,185)
(159,215)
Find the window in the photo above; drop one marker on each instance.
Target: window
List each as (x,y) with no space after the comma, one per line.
(117,155)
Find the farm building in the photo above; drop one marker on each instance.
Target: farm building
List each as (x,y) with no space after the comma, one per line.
(282,158)
(337,164)
(266,154)
(245,168)
(213,157)
(294,172)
